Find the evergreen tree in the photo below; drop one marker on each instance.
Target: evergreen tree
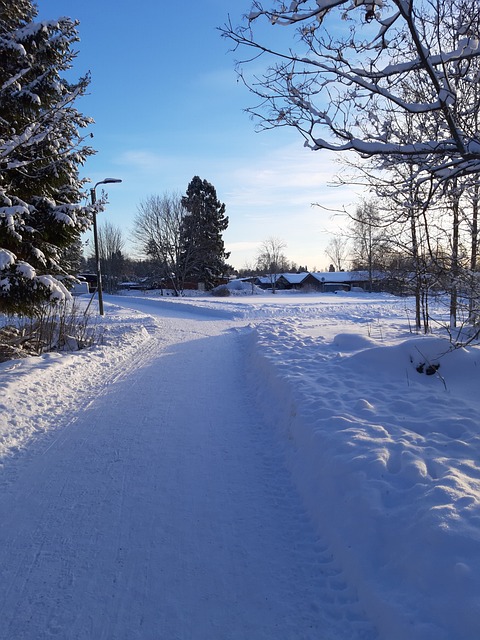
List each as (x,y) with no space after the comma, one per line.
(203,249)
(41,150)
(72,258)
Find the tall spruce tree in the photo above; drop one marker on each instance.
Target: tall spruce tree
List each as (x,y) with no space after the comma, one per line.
(41,150)
(203,249)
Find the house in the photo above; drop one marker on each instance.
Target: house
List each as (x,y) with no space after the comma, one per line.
(90,278)
(291,280)
(325,281)
(265,282)
(283,281)
(329,281)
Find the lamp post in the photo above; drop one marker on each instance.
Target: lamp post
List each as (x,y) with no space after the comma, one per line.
(93,196)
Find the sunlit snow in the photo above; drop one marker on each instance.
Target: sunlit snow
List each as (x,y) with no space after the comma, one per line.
(265,466)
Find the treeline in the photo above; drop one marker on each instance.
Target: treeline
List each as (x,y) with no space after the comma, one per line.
(426,250)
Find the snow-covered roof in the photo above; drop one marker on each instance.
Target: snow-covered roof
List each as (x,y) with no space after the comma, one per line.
(295,278)
(341,276)
(269,279)
(321,276)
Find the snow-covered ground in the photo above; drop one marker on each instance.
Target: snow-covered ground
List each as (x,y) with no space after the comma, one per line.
(264,467)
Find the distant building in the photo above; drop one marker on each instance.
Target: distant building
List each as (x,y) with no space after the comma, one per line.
(324,281)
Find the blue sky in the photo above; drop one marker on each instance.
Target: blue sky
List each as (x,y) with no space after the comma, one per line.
(167,106)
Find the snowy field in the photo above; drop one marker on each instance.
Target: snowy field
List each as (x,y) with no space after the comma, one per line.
(262,467)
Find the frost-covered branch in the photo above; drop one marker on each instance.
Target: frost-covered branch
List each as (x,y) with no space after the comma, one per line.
(342,66)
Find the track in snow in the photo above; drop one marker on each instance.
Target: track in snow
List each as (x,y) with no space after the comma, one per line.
(164,512)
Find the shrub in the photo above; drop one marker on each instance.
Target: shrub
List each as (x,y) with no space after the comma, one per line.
(221,292)
(58,327)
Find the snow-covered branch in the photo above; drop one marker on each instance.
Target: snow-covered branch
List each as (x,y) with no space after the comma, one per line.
(335,79)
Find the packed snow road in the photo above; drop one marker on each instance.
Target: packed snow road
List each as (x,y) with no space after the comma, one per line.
(161,509)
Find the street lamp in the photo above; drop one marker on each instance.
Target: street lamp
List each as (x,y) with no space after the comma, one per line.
(93,196)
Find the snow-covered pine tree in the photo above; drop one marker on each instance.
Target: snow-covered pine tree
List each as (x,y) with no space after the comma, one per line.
(203,249)
(41,150)
(72,258)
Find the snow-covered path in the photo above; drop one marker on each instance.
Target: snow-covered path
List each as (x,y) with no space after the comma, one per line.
(163,510)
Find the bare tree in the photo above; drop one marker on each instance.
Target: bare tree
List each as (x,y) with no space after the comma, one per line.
(474,240)
(158,235)
(271,259)
(397,86)
(338,250)
(110,247)
(370,244)
(341,86)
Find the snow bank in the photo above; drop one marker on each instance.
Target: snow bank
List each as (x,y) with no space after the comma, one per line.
(386,459)
(36,391)
(239,288)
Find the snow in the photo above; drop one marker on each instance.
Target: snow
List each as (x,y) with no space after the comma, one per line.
(58,291)
(275,467)
(7,259)
(25,269)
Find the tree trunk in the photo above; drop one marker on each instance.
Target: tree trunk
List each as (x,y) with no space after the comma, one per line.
(472,304)
(454,269)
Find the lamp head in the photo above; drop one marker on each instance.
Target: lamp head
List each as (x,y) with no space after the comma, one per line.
(105,181)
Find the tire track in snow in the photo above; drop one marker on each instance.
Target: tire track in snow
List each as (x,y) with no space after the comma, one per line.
(166,512)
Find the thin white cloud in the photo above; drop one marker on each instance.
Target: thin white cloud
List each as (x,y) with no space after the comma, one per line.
(142,160)
(244,246)
(274,194)
(267,191)
(290,176)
